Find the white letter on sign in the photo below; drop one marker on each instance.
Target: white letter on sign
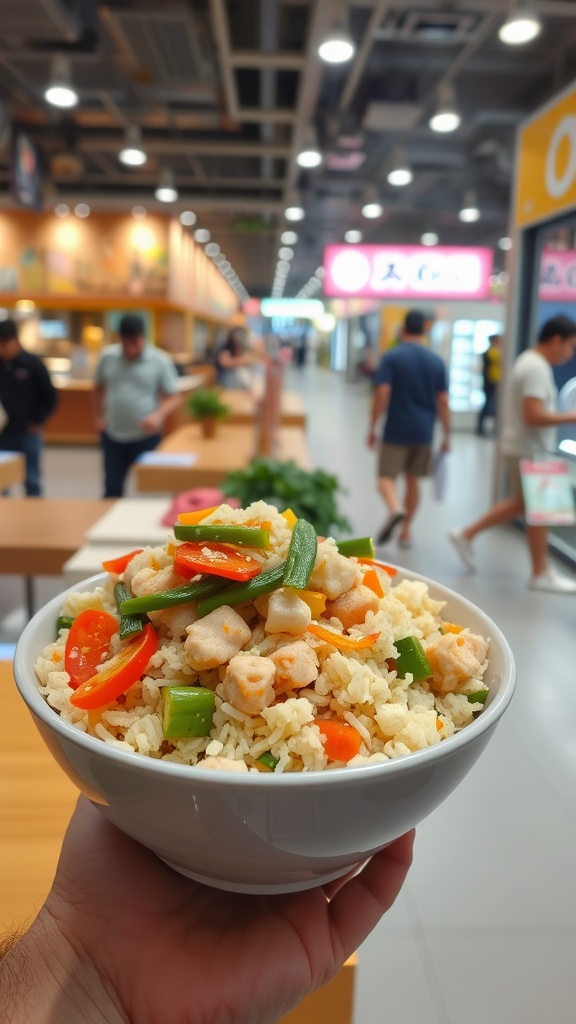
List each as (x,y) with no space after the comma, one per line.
(558,186)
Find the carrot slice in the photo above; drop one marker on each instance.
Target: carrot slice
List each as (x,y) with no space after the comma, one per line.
(118,565)
(451,627)
(341,741)
(192,518)
(381,565)
(340,640)
(370,579)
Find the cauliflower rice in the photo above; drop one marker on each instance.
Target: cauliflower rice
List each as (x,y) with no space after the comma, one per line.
(274,681)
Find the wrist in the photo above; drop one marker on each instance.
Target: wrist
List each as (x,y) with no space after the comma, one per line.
(44,979)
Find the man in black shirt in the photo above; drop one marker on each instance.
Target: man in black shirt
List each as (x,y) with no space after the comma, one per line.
(28,398)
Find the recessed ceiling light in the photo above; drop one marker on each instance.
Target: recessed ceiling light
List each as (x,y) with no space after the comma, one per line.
(505,243)
(202,235)
(353,237)
(372,210)
(82,210)
(288,238)
(294,213)
(187,218)
(429,238)
(285,253)
(400,176)
(61,210)
(212,249)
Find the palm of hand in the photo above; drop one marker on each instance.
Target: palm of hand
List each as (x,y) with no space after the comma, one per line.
(177,951)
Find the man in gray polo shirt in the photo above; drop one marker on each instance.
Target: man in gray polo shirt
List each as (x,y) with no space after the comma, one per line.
(136,389)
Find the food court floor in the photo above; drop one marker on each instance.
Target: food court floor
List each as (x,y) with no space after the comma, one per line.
(485,929)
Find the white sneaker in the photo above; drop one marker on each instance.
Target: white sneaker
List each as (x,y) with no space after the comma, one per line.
(463,548)
(554,582)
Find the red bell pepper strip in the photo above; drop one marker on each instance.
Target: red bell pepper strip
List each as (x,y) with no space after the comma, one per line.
(88,644)
(193,557)
(117,565)
(121,672)
(342,641)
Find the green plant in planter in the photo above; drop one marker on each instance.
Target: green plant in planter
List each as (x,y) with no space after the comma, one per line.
(311,495)
(205,405)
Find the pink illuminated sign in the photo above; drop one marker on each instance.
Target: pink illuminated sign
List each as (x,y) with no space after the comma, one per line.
(558,276)
(407,272)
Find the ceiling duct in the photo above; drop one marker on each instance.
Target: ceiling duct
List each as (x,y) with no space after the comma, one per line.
(49,20)
(431,27)
(173,45)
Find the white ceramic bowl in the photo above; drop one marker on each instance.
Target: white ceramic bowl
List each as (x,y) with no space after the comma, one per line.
(266,833)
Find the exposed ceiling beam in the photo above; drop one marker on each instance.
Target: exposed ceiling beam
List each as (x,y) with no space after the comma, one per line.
(260,59)
(380,7)
(279,115)
(187,147)
(209,204)
(113,177)
(222,36)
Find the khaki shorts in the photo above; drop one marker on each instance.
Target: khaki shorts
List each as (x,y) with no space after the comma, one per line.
(513,477)
(413,459)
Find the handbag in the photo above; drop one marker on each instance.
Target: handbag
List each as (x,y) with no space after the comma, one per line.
(548,493)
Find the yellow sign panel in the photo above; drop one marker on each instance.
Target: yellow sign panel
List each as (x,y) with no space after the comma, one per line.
(546,183)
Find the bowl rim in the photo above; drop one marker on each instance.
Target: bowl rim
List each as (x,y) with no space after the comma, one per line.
(333,776)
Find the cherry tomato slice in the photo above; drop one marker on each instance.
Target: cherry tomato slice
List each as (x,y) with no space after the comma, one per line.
(88,644)
(193,557)
(117,565)
(124,669)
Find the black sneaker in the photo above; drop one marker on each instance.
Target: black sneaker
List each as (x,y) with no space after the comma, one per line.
(394,520)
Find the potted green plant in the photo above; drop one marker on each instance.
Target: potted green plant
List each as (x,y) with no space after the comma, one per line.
(311,494)
(206,406)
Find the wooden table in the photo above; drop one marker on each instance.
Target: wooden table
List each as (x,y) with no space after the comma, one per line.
(36,801)
(38,535)
(243,407)
(232,448)
(12,469)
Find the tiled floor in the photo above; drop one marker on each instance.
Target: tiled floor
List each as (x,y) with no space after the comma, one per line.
(484,930)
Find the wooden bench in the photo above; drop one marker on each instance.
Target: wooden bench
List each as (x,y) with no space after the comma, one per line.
(12,469)
(232,448)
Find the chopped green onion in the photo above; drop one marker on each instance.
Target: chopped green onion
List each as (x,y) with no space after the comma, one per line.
(479,697)
(129,624)
(169,598)
(301,555)
(268,760)
(63,622)
(264,583)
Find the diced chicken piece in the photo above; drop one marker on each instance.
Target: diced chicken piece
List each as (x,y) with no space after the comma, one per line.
(176,619)
(249,683)
(149,558)
(296,666)
(222,764)
(353,606)
(154,581)
(287,613)
(213,640)
(333,573)
(455,658)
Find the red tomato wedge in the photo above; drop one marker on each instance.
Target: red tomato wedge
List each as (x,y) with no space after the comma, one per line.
(118,565)
(124,669)
(88,644)
(193,557)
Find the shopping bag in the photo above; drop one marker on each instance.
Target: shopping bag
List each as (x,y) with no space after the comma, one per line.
(439,473)
(548,493)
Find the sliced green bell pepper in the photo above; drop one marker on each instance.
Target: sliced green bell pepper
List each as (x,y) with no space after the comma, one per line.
(301,555)
(268,760)
(187,711)
(63,622)
(357,547)
(479,697)
(412,659)
(245,536)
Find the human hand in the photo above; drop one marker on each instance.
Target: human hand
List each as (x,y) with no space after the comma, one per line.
(445,446)
(372,440)
(151,424)
(161,947)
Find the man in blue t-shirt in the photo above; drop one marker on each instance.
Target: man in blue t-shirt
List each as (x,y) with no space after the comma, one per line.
(412,389)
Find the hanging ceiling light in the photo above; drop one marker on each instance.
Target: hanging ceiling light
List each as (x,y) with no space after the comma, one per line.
(310,155)
(294,211)
(400,173)
(521,25)
(338,46)
(505,243)
(132,153)
(202,235)
(372,207)
(288,238)
(470,211)
(187,218)
(353,236)
(446,118)
(429,238)
(166,191)
(60,92)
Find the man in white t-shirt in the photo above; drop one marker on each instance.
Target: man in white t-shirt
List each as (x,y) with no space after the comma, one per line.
(529,421)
